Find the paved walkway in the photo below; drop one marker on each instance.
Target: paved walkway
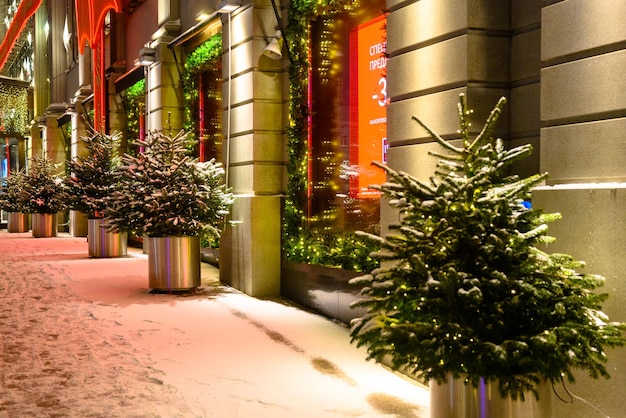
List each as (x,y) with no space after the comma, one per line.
(83,337)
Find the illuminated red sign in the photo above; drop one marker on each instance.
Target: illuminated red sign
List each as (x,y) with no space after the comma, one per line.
(368,106)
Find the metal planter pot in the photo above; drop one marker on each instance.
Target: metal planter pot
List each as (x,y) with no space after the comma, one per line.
(455,399)
(18,222)
(104,243)
(173,263)
(44,225)
(79,224)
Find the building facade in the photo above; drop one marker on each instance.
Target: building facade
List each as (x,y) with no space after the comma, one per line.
(204,66)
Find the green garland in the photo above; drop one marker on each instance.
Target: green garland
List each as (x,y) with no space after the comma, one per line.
(13,108)
(339,250)
(202,59)
(135,95)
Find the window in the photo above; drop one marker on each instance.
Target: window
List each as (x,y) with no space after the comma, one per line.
(341,133)
(348,120)
(202,83)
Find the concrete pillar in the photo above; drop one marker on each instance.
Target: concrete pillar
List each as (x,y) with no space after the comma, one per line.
(583,54)
(592,230)
(78,220)
(36,145)
(54,143)
(453,47)
(254,121)
(41,91)
(165,101)
(117,113)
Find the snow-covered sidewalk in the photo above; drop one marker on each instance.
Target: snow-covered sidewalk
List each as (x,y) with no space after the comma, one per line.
(83,337)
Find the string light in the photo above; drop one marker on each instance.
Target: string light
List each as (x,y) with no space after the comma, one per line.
(13,108)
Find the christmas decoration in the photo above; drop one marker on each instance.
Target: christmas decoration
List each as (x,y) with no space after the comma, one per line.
(465,291)
(339,250)
(202,83)
(11,196)
(43,191)
(165,192)
(92,179)
(13,107)
(301,244)
(135,97)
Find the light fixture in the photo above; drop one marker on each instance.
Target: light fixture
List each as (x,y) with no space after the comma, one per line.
(146,55)
(228,6)
(274,49)
(202,17)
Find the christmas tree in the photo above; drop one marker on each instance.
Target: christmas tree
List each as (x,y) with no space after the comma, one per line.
(11,197)
(164,191)
(464,289)
(43,190)
(93,177)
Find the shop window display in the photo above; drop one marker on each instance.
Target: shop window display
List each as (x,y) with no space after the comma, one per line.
(345,131)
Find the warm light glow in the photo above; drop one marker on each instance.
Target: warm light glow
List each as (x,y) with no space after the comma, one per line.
(202,17)
(368,133)
(228,6)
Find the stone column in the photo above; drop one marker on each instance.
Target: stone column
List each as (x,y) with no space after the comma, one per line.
(78,220)
(583,55)
(53,144)
(41,91)
(165,102)
(452,47)
(254,122)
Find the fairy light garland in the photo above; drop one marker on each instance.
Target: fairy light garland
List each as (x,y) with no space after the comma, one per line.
(342,250)
(135,95)
(13,108)
(204,58)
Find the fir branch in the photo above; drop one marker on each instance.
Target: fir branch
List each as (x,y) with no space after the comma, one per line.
(465,291)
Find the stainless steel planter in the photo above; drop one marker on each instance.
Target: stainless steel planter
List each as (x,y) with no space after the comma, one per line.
(44,225)
(18,222)
(173,263)
(454,399)
(103,243)
(79,226)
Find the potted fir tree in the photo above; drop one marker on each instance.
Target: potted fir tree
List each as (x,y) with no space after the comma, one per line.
(465,293)
(44,196)
(91,182)
(170,198)
(11,201)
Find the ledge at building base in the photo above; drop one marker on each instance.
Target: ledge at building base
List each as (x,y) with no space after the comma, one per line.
(323,289)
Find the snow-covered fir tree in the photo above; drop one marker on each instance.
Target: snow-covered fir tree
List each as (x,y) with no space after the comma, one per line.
(11,196)
(164,191)
(465,289)
(93,177)
(43,190)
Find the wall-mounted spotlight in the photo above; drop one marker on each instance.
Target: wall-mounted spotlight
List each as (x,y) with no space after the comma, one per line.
(146,55)
(274,49)
(228,6)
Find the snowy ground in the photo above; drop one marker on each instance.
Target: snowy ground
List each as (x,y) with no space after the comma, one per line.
(82,337)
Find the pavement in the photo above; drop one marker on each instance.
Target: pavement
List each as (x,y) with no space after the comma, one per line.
(84,337)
